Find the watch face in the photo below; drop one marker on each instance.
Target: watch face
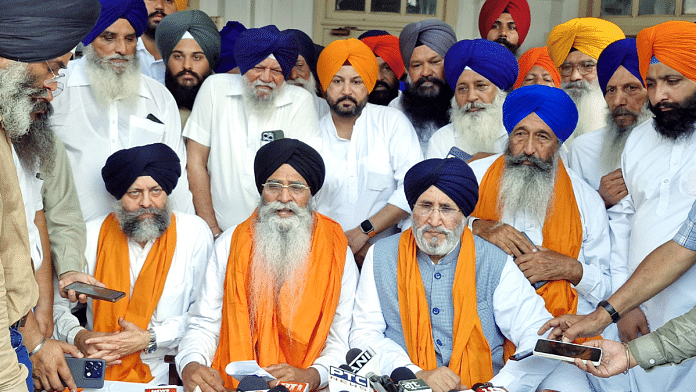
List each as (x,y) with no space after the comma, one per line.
(366,226)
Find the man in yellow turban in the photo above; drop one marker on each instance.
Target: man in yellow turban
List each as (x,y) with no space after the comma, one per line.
(574,47)
(367,148)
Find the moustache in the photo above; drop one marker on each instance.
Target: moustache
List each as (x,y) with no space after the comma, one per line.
(473,105)
(188,72)
(534,161)
(666,105)
(346,98)
(580,84)
(157,13)
(381,83)
(431,79)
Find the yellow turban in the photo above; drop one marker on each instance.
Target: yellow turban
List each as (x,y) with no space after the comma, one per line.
(588,35)
(353,51)
(672,43)
(181,5)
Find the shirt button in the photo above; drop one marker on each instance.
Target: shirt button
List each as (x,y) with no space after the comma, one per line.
(652,361)
(438,275)
(439,342)
(665,181)
(436,311)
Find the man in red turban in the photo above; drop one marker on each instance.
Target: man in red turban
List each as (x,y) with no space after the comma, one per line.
(505,22)
(391,66)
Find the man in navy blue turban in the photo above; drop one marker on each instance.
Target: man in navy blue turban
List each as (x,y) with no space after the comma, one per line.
(596,156)
(228,38)
(133,11)
(304,73)
(480,72)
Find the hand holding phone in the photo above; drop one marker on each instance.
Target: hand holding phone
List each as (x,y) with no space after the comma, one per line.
(95,292)
(555,349)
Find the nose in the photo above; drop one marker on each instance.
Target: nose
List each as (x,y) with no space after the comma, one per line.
(659,94)
(294,73)
(619,100)
(266,75)
(346,90)
(471,95)
(529,146)
(285,196)
(145,201)
(159,4)
(188,63)
(575,74)
(427,70)
(435,218)
(120,46)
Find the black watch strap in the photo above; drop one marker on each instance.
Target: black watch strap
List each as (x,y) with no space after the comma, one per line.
(610,309)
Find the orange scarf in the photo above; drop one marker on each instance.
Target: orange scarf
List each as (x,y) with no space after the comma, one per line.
(471,354)
(293,335)
(113,269)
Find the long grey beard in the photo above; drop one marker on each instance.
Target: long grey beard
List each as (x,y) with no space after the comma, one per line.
(615,140)
(480,129)
(147,229)
(109,83)
(16,102)
(432,247)
(526,188)
(591,105)
(261,105)
(36,149)
(309,85)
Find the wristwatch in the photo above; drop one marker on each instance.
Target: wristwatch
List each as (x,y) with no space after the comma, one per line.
(367,228)
(152,345)
(610,309)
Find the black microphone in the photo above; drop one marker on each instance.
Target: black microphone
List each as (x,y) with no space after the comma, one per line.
(253,383)
(408,382)
(346,368)
(389,384)
(279,388)
(402,374)
(352,354)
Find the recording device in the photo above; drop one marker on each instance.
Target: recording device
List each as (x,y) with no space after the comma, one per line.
(96,292)
(252,383)
(295,386)
(269,136)
(87,373)
(341,380)
(456,152)
(555,349)
(521,355)
(407,381)
(364,362)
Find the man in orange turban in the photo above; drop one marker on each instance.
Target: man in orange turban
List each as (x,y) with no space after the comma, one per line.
(505,22)
(151,62)
(574,47)
(536,67)
(367,148)
(391,66)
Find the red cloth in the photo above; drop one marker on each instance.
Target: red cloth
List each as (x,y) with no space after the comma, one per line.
(540,57)
(518,9)
(387,48)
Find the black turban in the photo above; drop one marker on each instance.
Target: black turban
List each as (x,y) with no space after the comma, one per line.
(450,175)
(255,45)
(133,11)
(305,45)
(198,24)
(32,31)
(157,160)
(295,153)
(228,37)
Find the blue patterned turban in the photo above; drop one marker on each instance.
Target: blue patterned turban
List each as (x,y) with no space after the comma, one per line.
(112,10)
(551,104)
(490,59)
(450,175)
(255,45)
(622,52)
(228,37)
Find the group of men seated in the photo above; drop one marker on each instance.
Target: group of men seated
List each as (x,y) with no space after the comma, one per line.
(257,197)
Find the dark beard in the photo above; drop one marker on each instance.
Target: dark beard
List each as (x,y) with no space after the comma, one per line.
(36,148)
(511,47)
(422,109)
(350,113)
(678,123)
(382,97)
(134,228)
(183,95)
(152,27)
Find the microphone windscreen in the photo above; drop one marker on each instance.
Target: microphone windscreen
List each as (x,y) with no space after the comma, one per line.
(346,368)
(402,374)
(252,383)
(352,354)
(279,388)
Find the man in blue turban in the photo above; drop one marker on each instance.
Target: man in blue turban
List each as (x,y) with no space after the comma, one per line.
(545,215)
(596,156)
(304,73)
(480,72)
(228,37)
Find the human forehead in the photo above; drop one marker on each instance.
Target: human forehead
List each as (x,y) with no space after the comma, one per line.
(188,46)
(120,27)
(286,174)
(576,57)
(433,195)
(142,183)
(505,18)
(470,76)
(623,76)
(347,72)
(662,71)
(533,124)
(538,70)
(269,62)
(423,53)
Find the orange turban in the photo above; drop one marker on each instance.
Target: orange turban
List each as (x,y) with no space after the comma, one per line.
(672,43)
(588,35)
(540,57)
(181,5)
(349,50)
(518,9)
(387,48)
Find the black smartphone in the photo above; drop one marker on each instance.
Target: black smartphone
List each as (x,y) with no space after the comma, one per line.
(87,373)
(95,292)
(555,349)
(456,152)
(521,355)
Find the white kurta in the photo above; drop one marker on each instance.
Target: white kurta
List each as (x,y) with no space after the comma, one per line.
(366,172)
(219,120)
(584,156)
(444,139)
(92,133)
(322,106)
(661,179)
(518,319)
(194,245)
(148,65)
(201,339)
(30,186)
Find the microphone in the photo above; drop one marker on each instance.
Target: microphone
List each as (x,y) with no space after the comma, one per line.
(365,362)
(293,386)
(375,382)
(252,383)
(278,388)
(341,380)
(402,374)
(352,354)
(408,382)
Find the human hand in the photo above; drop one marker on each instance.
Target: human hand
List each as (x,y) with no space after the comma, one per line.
(116,345)
(207,379)
(613,359)
(612,188)
(441,379)
(632,325)
(90,350)
(49,366)
(74,276)
(547,265)
(356,239)
(571,326)
(504,236)
(285,372)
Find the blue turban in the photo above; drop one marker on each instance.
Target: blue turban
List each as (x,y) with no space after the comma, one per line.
(622,52)
(450,175)
(551,104)
(301,156)
(31,32)
(254,45)
(228,37)
(111,10)
(157,160)
(490,59)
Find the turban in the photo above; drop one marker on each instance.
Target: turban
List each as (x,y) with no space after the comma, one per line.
(228,37)
(255,45)
(353,51)
(435,34)
(450,175)
(490,59)
(551,104)
(181,5)
(31,32)
(198,24)
(672,43)
(112,10)
(622,52)
(540,57)
(306,48)
(157,160)
(303,158)
(386,47)
(588,35)
(518,9)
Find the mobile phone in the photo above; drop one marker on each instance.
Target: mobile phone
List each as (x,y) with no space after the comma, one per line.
(269,136)
(555,349)
(95,292)
(456,152)
(521,355)
(87,372)
(152,118)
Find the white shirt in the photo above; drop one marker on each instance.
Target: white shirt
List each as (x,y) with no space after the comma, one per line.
(92,133)
(445,138)
(201,339)
(595,284)
(30,186)
(366,172)
(219,120)
(194,245)
(148,65)
(519,313)
(322,106)
(584,156)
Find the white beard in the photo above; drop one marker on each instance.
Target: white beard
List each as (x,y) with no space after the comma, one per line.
(432,248)
(309,85)
(261,105)
(615,140)
(109,83)
(592,108)
(16,103)
(480,129)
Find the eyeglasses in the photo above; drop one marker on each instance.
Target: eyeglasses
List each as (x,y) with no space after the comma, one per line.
(54,80)
(424,210)
(274,188)
(258,70)
(584,68)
